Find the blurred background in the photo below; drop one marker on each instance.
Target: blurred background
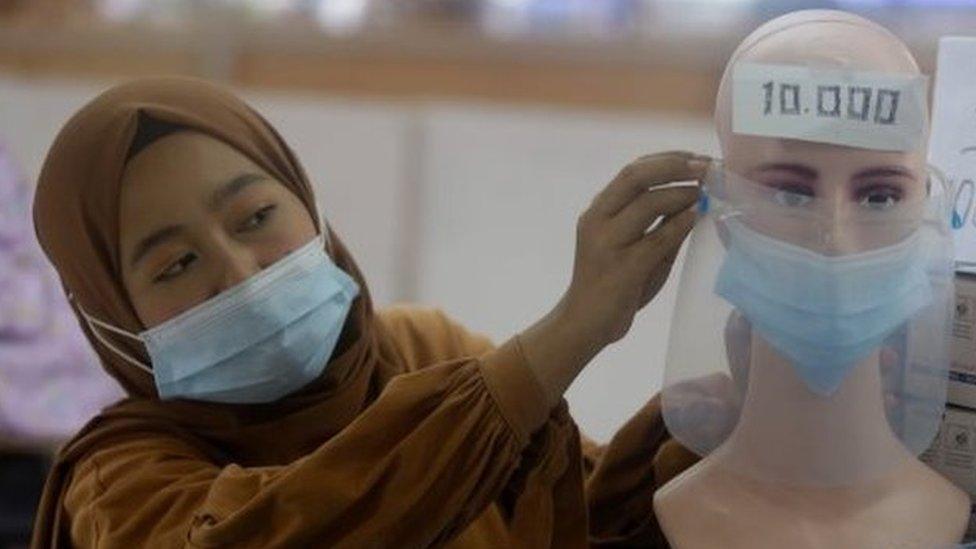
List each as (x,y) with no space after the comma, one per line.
(453,144)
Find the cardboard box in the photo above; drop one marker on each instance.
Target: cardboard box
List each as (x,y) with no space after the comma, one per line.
(962,374)
(953,454)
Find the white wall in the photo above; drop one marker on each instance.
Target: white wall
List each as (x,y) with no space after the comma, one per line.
(31,113)
(468,207)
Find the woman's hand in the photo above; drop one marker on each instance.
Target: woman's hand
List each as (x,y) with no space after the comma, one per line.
(620,264)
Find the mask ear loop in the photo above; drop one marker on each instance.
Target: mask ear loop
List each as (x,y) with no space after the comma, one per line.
(94,324)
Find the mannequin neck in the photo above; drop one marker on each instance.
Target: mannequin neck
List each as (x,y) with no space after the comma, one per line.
(790,434)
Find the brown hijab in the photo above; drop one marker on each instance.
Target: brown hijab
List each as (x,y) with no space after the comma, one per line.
(76,212)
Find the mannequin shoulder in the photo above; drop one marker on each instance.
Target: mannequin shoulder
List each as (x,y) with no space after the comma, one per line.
(691,500)
(705,507)
(937,497)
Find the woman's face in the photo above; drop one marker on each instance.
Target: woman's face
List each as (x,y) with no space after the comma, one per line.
(831,199)
(197,218)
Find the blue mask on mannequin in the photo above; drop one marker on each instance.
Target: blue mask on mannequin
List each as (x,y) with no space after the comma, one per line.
(824,313)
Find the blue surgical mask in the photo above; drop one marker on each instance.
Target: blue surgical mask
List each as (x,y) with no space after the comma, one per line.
(824,313)
(256,342)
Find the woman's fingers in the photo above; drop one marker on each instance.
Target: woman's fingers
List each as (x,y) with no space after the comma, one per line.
(644,173)
(632,223)
(664,240)
(658,278)
(619,266)
(649,261)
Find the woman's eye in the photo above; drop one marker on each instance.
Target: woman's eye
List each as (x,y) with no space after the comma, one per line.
(258,219)
(793,196)
(879,198)
(176,268)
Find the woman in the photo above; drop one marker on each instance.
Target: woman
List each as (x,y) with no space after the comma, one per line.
(269,404)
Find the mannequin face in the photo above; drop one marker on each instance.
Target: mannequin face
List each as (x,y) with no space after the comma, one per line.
(830,199)
(833,200)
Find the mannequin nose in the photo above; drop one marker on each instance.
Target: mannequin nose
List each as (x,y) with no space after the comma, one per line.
(837,237)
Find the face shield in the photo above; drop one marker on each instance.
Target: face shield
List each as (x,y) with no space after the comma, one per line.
(818,287)
(818,274)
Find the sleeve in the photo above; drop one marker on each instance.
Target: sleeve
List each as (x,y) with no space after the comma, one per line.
(626,473)
(592,452)
(428,336)
(439,445)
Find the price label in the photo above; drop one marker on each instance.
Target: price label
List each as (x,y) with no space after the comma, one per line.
(870,110)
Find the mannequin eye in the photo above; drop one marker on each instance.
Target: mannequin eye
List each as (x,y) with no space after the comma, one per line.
(793,196)
(879,197)
(175,269)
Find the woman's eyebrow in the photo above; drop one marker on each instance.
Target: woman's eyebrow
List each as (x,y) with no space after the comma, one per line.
(227,190)
(224,193)
(153,240)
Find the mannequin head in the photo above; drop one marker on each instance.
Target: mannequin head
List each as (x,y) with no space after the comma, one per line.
(818,230)
(833,181)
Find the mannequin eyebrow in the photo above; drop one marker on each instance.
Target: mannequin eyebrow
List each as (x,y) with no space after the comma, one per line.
(884,171)
(796,169)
